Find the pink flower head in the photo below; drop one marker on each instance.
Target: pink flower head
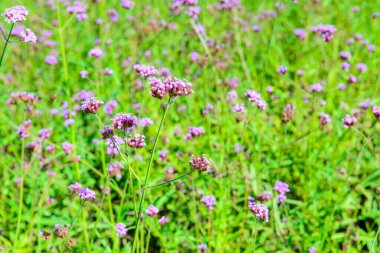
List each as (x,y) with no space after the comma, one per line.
(51,60)
(121,229)
(83,74)
(376,111)
(326,31)
(300,33)
(194,12)
(110,107)
(145,71)
(345,66)
(163,220)
(324,119)
(127,4)
(15,14)
(136,141)
(351,79)
(316,88)
(152,211)
(67,147)
(28,36)
(282,188)
(209,201)
(259,210)
(95,53)
(91,105)
(123,121)
(344,55)
(159,90)
(75,188)
(87,194)
(256,28)
(113,15)
(200,163)
(238,108)
(282,70)
(194,132)
(361,67)
(145,122)
(348,121)
(115,169)
(312,250)
(253,96)
(178,87)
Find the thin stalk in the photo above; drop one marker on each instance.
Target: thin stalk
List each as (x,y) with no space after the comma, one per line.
(255,234)
(6,44)
(147,175)
(169,181)
(374,240)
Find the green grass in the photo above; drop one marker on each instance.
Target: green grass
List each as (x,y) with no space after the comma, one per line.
(333,174)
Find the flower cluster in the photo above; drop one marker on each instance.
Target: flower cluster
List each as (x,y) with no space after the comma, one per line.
(91,105)
(200,163)
(324,119)
(288,113)
(86,194)
(326,31)
(145,71)
(115,169)
(255,98)
(316,88)
(170,85)
(123,121)
(376,111)
(152,211)
(259,210)
(121,229)
(209,201)
(15,14)
(348,121)
(194,132)
(136,141)
(282,188)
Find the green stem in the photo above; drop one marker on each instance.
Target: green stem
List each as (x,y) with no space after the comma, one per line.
(147,175)
(167,182)
(255,233)
(6,44)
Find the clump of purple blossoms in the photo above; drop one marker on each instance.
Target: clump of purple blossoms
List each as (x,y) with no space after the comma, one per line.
(91,105)
(145,71)
(348,121)
(324,119)
(282,70)
(152,211)
(259,210)
(15,14)
(136,141)
(28,36)
(282,188)
(123,121)
(194,132)
(121,229)
(209,201)
(344,55)
(200,163)
(107,132)
(170,85)
(316,88)
(95,53)
(86,194)
(326,31)
(115,169)
(300,33)
(255,98)
(163,220)
(361,67)
(376,111)
(351,79)
(76,187)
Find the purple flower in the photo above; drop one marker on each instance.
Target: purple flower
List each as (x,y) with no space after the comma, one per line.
(115,169)
(152,211)
(91,105)
(95,53)
(209,201)
(238,108)
(15,14)
(300,33)
(312,250)
(361,67)
(256,28)
(127,4)
(351,79)
(121,229)
(282,188)
(200,163)
(324,119)
(376,111)
(259,210)
(194,132)
(202,248)
(83,74)
(345,66)
(28,36)
(282,70)
(86,194)
(145,71)
(123,121)
(163,220)
(194,12)
(326,31)
(110,107)
(316,88)
(145,122)
(67,147)
(344,55)
(348,121)
(136,141)
(75,188)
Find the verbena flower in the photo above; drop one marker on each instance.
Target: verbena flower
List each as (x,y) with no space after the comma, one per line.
(91,105)
(86,194)
(115,169)
(209,201)
(123,121)
(259,210)
(194,132)
(376,111)
(95,53)
(282,188)
(348,121)
(136,141)
(107,132)
(76,187)
(121,229)
(28,36)
(145,71)
(326,31)
(200,163)
(163,220)
(15,14)
(316,88)
(152,211)
(324,119)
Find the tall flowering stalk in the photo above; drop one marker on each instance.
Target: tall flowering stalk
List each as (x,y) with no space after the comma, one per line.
(15,15)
